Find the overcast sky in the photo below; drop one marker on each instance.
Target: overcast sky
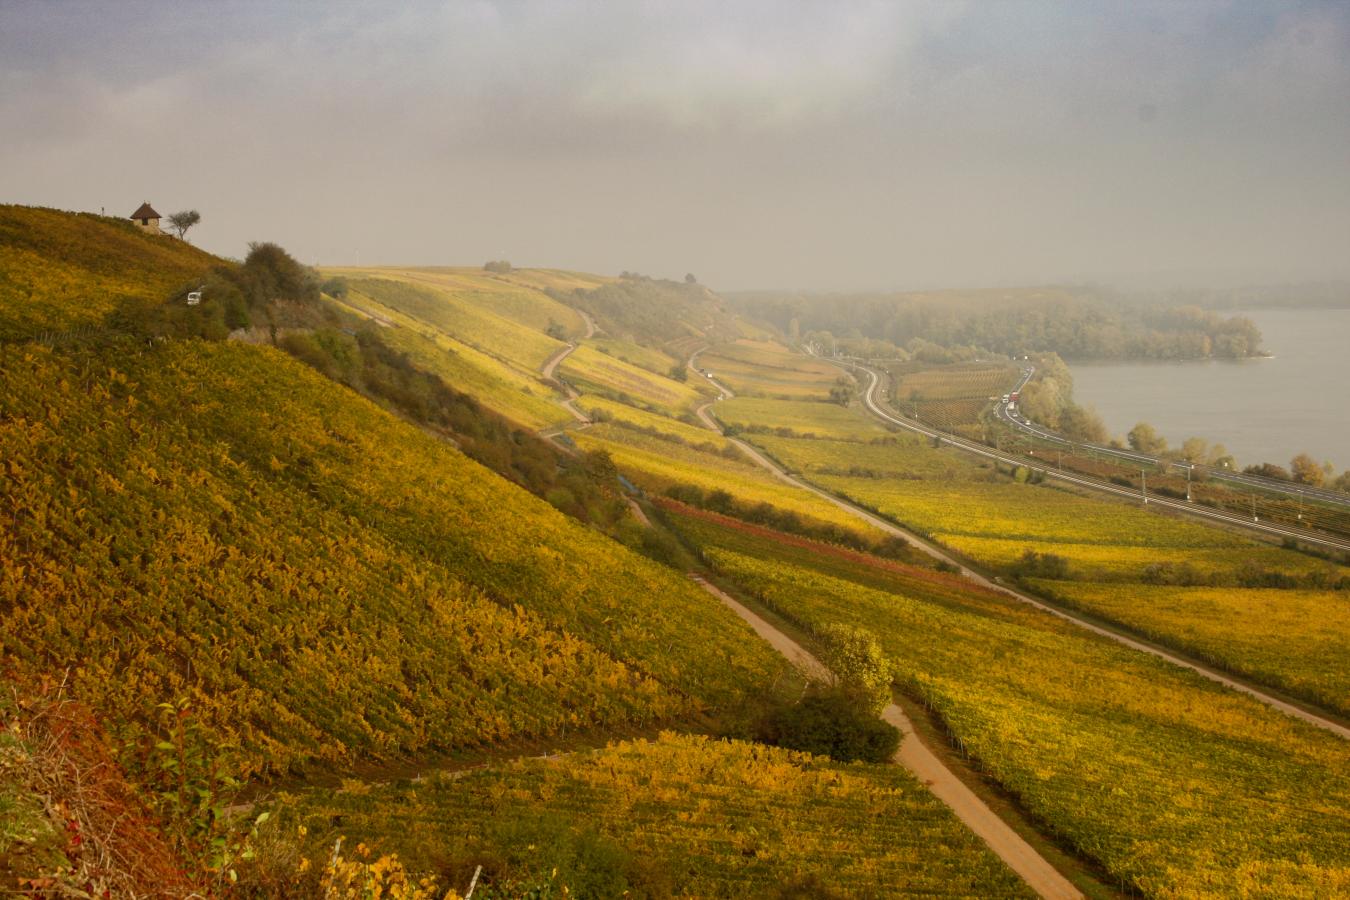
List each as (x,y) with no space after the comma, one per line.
(786,144)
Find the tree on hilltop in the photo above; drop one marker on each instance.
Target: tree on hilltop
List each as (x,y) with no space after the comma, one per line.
(180,222)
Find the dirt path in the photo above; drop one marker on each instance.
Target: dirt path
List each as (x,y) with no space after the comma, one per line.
(1007,844)
(1274,702)
(570,396)
(590,323)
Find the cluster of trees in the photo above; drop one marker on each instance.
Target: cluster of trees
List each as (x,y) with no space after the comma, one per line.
(498,267)
(843,391)
(841,719)
(1303,468)
(1074,324)
(1144,438)
(269,288)
(854,343)
(1048,400)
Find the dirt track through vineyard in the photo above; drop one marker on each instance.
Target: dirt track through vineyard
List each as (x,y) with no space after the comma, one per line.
(1009,846)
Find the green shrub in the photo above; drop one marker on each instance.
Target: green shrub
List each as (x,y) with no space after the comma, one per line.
(830,721)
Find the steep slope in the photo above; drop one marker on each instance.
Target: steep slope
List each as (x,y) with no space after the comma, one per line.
(215,521)
(60,271)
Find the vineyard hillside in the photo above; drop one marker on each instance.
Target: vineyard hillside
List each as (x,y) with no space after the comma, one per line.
(217,524)
(61,271)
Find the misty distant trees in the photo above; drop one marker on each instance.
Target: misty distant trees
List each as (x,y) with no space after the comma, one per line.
(498,267)
(180,222)
(842,391)
(1084,325)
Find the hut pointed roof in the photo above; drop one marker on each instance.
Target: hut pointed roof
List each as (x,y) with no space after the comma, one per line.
(146,211)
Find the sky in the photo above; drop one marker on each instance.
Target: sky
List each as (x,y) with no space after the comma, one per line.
(796,145)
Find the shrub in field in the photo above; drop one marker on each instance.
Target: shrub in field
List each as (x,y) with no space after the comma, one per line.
(855,658)
(832,721)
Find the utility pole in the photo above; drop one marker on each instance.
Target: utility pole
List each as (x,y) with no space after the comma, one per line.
(1188,482)
(1143,485)
(1254,506)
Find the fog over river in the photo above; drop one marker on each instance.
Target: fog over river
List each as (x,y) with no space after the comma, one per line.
(1262,410)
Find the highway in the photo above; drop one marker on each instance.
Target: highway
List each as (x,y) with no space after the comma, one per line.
(1006,413)
(874,406)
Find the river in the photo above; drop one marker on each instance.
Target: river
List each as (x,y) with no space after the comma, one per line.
(1262,410)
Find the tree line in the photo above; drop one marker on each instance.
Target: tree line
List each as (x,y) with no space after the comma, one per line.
(1073,324)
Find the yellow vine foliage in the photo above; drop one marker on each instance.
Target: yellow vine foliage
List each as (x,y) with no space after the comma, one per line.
(215,522)
(1176,786)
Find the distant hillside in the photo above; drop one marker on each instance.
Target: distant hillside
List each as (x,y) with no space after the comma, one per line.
(61,271)
(652,310)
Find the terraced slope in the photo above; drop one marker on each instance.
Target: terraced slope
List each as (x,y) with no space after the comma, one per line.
(594,372)
(323,581)
(464,318)
(499,384)
(768,369)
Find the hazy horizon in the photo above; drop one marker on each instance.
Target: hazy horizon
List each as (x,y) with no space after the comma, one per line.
(795,146)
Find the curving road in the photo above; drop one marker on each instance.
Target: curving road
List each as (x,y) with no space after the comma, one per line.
(1007,844)
(1274,702)
(872,405)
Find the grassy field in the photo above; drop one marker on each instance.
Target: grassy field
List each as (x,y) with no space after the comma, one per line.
(218,523)
(682,816)
(961,381)
(602,408)
(805,418)
(644,357)
(766,369)
(60,271)
(1025,512)
(1293,639)
(462,317)
(509,388)
(1175,786)
(594,372)
(514,295)
(656,465)
(885,456)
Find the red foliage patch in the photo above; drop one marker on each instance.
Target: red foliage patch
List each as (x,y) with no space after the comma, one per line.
(955,582)
(111,839)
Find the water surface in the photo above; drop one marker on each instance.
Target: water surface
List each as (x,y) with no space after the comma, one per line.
(1262,410)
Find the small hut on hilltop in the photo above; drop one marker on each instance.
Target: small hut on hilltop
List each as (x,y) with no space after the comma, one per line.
(146,218)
